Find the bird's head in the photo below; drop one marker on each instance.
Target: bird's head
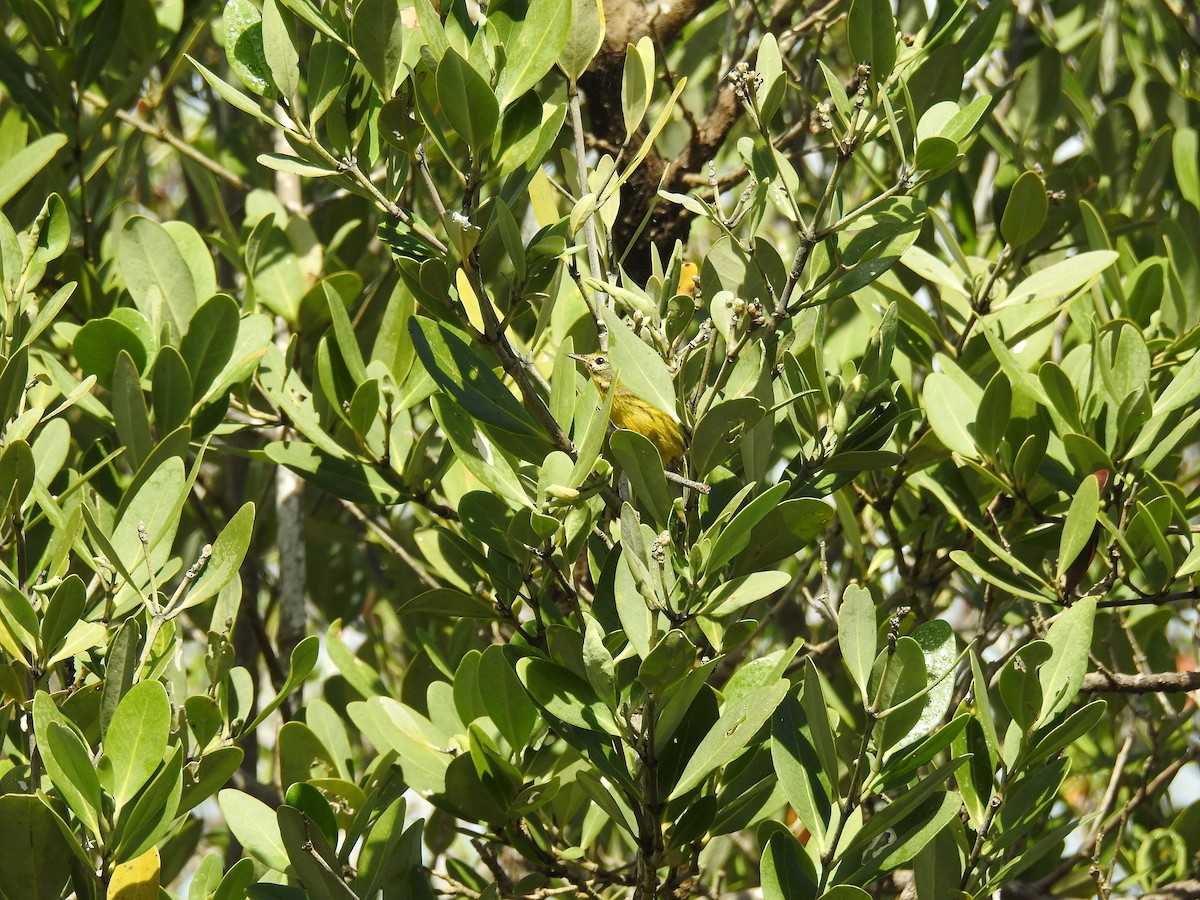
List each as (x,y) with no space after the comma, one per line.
(598,366)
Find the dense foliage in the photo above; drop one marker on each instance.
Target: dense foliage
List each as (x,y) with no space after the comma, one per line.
(323,574)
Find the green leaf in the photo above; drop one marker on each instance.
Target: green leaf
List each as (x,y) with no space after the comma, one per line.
(858,634)
(1061,279)
(156,275)
(448,602)
(951,412)
(566,696)
(588,446)
(728,737)
(584,38)
(37,858)
(233,96)
(423,750)
(1070,639)
(533,46)
(938,866)
(468,379)
(244,46)
(642,464)
(100,341)
(636,83)
(720,431)
(934,153)
(71,771)
(816,713)
(732,539)
(344,478)
(468,102)
(171,390)
(17,473)
(21,168)
(1185,153)
(897,678)
(253,823)
(137,738)
(1021,686)
(294,165)
(797,767)
(911,836)
(1082,519)
(639,369)
(150,816)
(1025,212)
(279,48)
(872,35)
(209,343)
(484,459)
(129,411)
(876,240)
(1066,733)
(784,876)
(939,647)
(783,531)
(61,614)
(505,699)
(377,33)
(903,806)
(303,660)
(734,595)
(228,554)
(327,65)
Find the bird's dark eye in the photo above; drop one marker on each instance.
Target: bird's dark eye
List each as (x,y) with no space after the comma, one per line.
(600,360)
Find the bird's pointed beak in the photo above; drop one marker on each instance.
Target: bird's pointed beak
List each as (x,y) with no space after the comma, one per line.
(578,357)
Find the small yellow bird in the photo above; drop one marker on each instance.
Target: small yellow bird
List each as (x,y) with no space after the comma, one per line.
(632,412)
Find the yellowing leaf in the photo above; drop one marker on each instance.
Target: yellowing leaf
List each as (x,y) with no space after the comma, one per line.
(469,300)
(136,879)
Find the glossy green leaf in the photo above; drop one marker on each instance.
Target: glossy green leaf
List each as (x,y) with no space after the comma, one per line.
(1025,212)
(534,46)
(24,165)
(797,767)
(1081,521)
(244,46)
(348,479)
(728,737)
(38,855)
(939,648)
(858,635)
(584,38)
(156,274)
(423,750)
(228,554)
(1060,279)
(378,33)
(253,823)
(897,679)
(505,699)
(1070,639)
(279,49)
(137,738)
(872,35)
(468,101)
(565,696)
(784,876)
(1020,684)
(641,463)
(636,83)
(72,772)
(638,367)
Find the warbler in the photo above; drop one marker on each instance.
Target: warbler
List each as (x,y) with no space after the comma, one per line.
(632,412)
